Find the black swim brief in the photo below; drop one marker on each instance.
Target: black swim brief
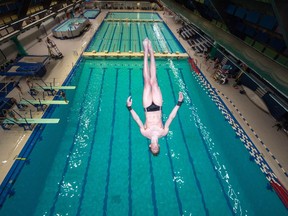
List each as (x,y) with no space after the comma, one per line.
(153,107)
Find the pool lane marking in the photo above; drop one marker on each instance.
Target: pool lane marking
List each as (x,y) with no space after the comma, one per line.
(158,46)
(103,37)
(208,154)
(84,181)
(170,50)
(179,202)
(265,169)
(130,35)
(139,40)
(105,201)
(52,209)
(153,194)
(147,35)
(130,201)
(113,34)
(121,36)
(145,29)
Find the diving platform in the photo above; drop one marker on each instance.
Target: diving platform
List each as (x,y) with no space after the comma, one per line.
(134,54)
(31,121)
(132,20)
(42,102)
(54,87)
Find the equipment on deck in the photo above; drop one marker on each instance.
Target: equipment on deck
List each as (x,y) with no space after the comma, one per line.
(53,50)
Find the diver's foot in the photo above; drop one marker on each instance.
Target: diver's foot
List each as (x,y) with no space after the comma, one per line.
(150,47)
(145,44)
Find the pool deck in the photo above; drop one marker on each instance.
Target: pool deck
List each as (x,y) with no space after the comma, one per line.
(257,124)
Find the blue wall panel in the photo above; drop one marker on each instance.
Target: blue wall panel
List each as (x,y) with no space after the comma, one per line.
(230,9)
(253,17)
(240,12)
(277,44)
(268,22)
(250,31)
(262,37)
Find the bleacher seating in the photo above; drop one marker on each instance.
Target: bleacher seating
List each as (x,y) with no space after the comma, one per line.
(277,44)
(250,31)
(240,12)
(268,22)
(230,9)
(262,37)
(240,27)
(257,28)
(253,16)
(197,40)
(188,31)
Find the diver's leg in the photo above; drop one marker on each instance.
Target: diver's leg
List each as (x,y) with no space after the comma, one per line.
(156,92)
(147,93)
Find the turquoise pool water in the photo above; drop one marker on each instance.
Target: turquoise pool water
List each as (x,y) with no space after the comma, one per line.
(95,161)
(70,24)
(128,36)
(133,15)
(91,14)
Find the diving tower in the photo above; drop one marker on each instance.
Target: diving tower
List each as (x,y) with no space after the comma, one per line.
(42,102)
(31,121)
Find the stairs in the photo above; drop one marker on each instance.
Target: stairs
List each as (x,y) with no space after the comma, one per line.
(260,92)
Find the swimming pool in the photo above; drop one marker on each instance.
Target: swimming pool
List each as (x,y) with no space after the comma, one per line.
(134,15)
(128,36)
(91,14)
(97,163)
(70,28)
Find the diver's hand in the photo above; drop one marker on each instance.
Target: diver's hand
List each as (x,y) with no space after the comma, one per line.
(180,98)
(129,102)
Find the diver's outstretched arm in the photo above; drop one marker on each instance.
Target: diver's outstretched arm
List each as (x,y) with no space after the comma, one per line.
(174,111)
(133,113)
